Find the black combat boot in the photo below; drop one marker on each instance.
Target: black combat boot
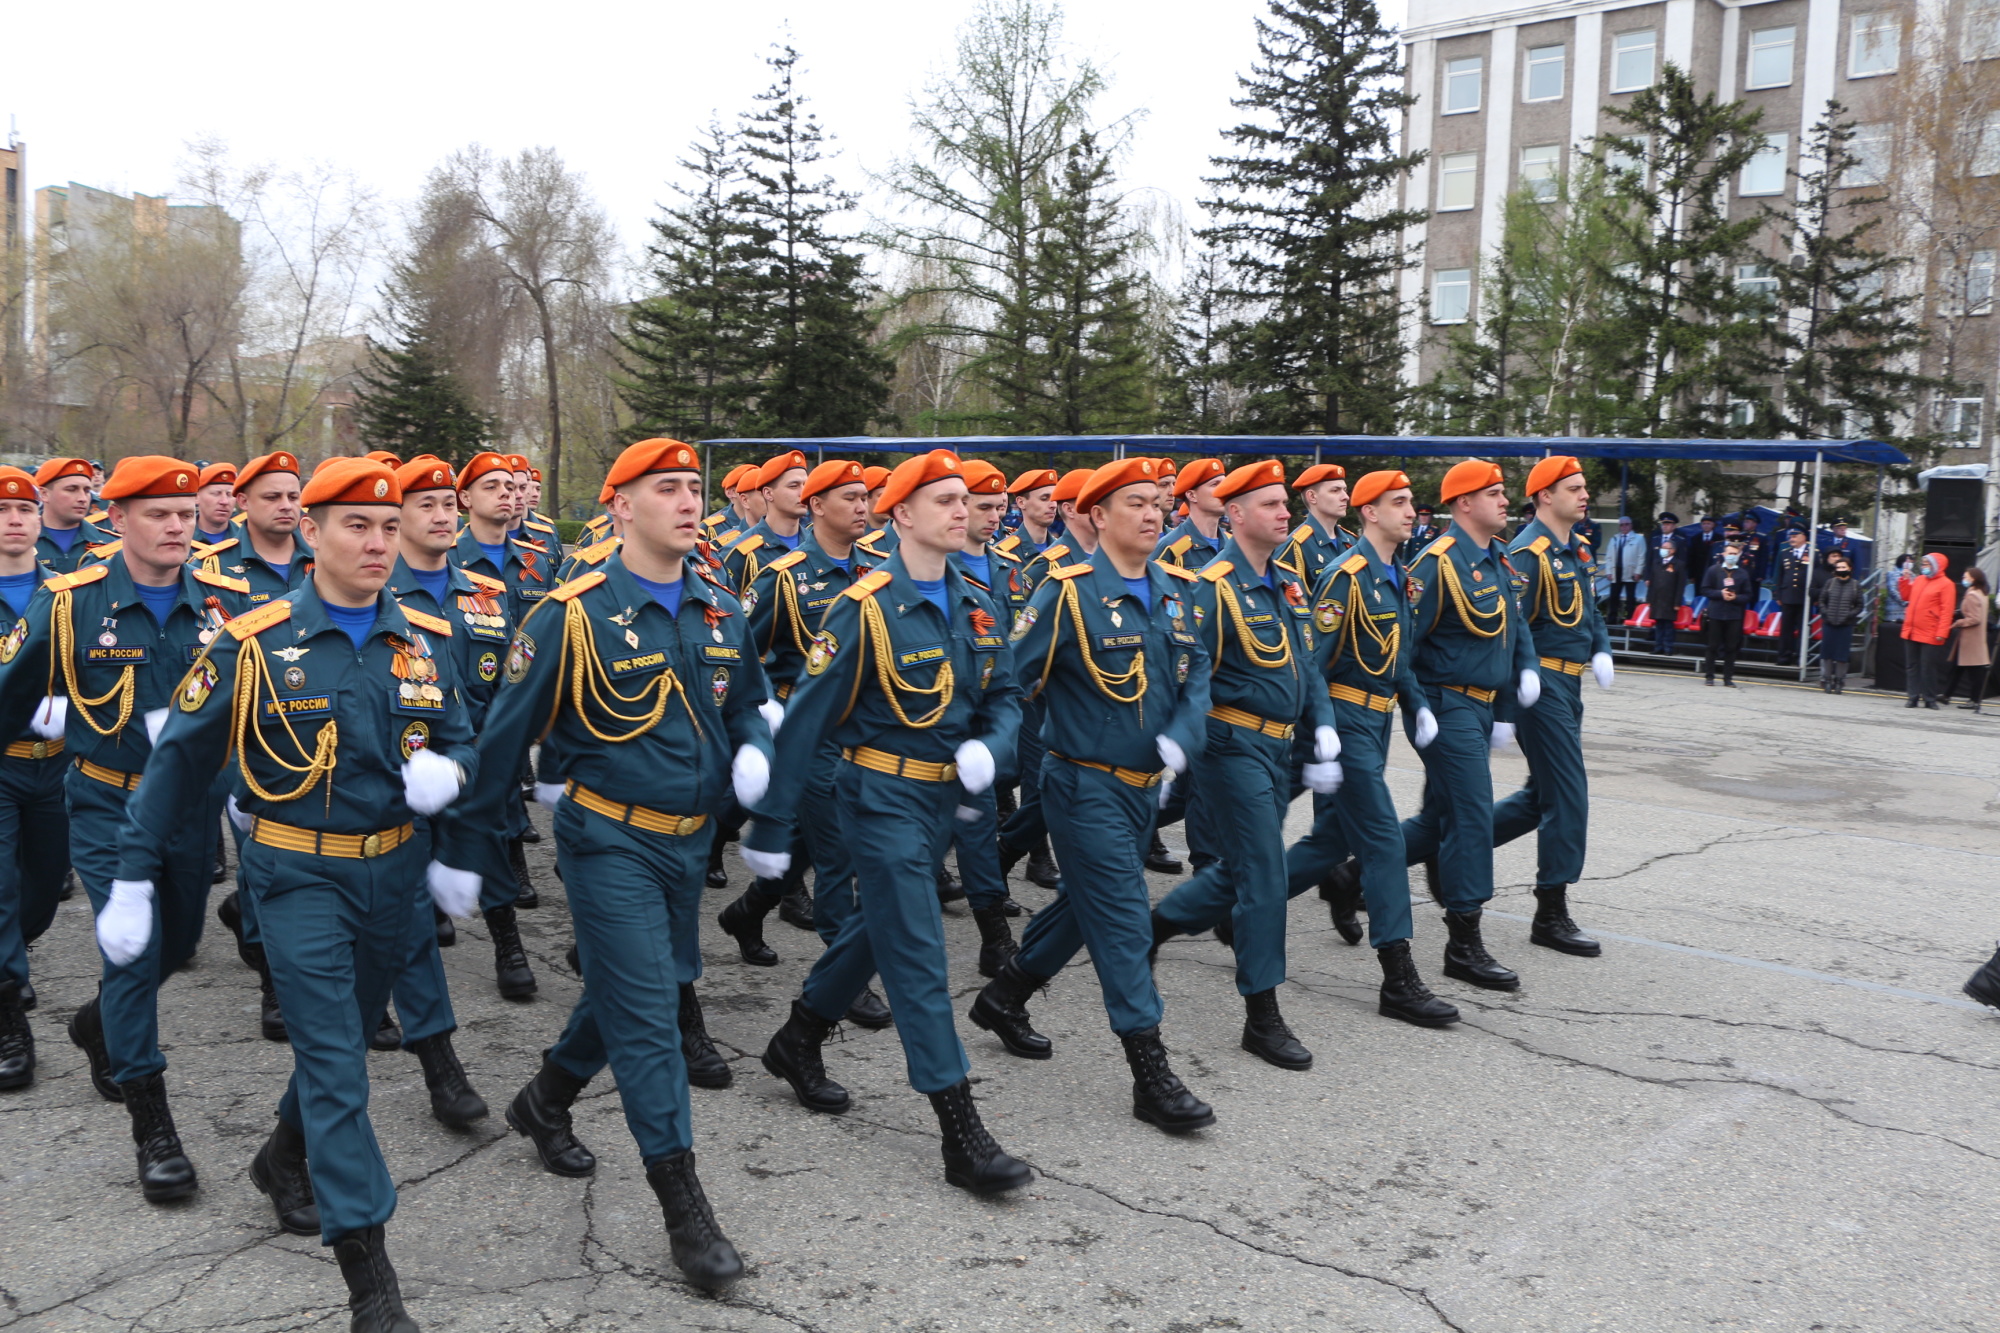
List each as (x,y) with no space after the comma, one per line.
(794,1056)
(1267,1036)
(28,998)
(86,1030)
(453,1101)
(1158,1097)
(221,870)
(1161,861)
(1342,891)
(447,929)
(996,939)
(164,1170)
(1002,1009)
(870,1011)
(510,959)
(386,1036)
(1432,884)
(743,921)
(699,1248)
(949,888)
(517,861)
(1163,930)
(796,908)
(972,1160)
(373,1297)
(1404,994)
(1225,930)
(705,1066)
(17,1039)
(717,877)
(229,911)
(1552,927)
(1466,959)
(280,1174)
(270,1018)
(1984,985)
(1042,869)
(541,1111)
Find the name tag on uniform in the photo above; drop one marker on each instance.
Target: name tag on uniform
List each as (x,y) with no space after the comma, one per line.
(1120,640)
(531,594)
(119,654)
(1261,618)
(298,705)
(988,641)
(257,598)
(918,656)
(1181,636)
(721,652)
(1486,591)
(417,704)
(625,666)
(819,603)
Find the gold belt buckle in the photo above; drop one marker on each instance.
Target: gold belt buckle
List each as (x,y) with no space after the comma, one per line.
(40,750)
(371,845)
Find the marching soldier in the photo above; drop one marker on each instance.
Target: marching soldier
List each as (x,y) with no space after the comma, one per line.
(1318,542)
(1034,492)
(643,676)
(875,478)
(1476,664)
(1110,643)
(266,551)
(911,677)
(1262,688)
(781,485)
(1560,608)
(214,504)
(108,642)
(67,536)
(341,712)
(1199,538)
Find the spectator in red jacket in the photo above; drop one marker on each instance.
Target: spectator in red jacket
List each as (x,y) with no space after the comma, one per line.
(1927,628)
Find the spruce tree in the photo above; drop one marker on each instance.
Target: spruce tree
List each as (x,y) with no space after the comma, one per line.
(1314,251)
(409,402)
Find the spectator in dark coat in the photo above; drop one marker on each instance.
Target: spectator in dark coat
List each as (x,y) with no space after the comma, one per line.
(1791,584)
(1839,611)
(1731,591)
(1704,545)
(1666,574)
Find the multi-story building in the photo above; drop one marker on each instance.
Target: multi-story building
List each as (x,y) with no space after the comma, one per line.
(13,266)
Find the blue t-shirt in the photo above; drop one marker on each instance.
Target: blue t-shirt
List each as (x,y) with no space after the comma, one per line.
(283,571)
(497,553)
(159,600)
(979,566)
(63,537)
(210,538)
(434,581)
(1142,589)
(790,543)
(846,565)
(933,591)
(18,589)
(666,594)
(356,620)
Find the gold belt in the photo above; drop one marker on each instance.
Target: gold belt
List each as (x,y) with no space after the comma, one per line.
(1348,694)
(1474,692)
(109,776)
(1236,717)
(35,749)
(785,691)
(348,846)
(638,816)
(895,765)
(1567,668)
(1131,777)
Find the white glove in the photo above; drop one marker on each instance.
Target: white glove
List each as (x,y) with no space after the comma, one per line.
(1600,667)
(1172,755)
(1503,735)
(1326,745)
(1323,778)
(50,719)
(456,892)
(430,782)
(237,817)
(975,766)
(1166,792)
(126,923)
(751,775)
(1427,727)
(156,721)
(1530,688)
(548,793)
(967,814)
(766,865)
(773,714)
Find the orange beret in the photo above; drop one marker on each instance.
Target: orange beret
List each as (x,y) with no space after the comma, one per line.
(479,465)
(874,478)
(1377,484)
(604,494)
(218,474)
(1250,477)
(150,475)
(1071,484)
(534,474)
(921,470)
(1318,473)
(768,474)
(272,462)
(1550,471)
(1168,467)
(982,478)
(1115,476)
(735,475)
(16,484)
(518,462)
(834,472)
(57,468)
(351,481)
(655,455)
(323,463)
(1195,473)
(385,458)
(1474,474)
(425,474)
(1033,480)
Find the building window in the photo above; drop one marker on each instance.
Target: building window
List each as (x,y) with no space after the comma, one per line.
(1458,180)
(1543,81)
(1451,295)
(1980,149)
(1982,30)
(1631,61)
(1870,147)
(1979,283)
(1962,421)
(1461,84)
(1616,159)
(1539,166)
(1755,283)
(1764,173)
(1770,58)
(1873,45)
(1742,414)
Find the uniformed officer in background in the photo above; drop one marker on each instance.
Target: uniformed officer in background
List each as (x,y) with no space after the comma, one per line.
(1422,535)
(1199,537)
(67,536)
(214,505)
(1034,493)
(780,483)
(1318,541)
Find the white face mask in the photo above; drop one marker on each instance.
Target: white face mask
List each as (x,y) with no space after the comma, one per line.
(1729,560)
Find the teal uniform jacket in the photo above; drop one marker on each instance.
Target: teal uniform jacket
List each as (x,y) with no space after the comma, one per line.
(744,559)
(237,558)
(881,543)
(88,534)
(1312,550)
(479,629)
(1006,589)
(529,571)
(1186,547)
(1366,629)
(788,602)
(1480,641)
(1274,617)
(1558,594)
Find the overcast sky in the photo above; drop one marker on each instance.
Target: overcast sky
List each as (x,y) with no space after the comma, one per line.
(108,94)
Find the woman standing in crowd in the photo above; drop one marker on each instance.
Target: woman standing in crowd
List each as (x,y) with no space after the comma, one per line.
(1969,653)
(1730,589)
(1839,610)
